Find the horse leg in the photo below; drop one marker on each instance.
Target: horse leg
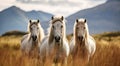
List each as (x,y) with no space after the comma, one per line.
(29,54)
(73,62)
(23,53)
(42,61)
(64,62)
(76,62)
(55,62)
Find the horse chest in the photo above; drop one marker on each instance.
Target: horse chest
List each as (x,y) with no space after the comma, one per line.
(34,44)
(57,53)
(80,52)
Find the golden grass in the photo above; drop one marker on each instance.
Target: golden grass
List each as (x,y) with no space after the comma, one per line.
(10,41)
(107,52)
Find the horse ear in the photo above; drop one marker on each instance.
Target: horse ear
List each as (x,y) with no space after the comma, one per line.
(62,18)
(77,21)
(38,21)
(85,21)
(52,17)
(30,21)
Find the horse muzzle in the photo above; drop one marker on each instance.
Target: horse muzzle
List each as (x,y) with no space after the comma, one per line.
(57,38)
(80,38)
(34,38)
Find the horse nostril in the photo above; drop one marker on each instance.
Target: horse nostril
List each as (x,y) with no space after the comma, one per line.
(80,37)
(57,38)
(34,38)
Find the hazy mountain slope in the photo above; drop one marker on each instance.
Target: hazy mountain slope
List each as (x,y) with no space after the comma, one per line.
(13,18)
(102,18)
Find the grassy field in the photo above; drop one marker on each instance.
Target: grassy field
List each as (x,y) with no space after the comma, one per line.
(107,51)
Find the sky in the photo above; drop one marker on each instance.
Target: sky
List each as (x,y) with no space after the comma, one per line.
(56,7)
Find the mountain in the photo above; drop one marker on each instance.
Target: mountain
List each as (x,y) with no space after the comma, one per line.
(43,16)
(102,18)
(14,18)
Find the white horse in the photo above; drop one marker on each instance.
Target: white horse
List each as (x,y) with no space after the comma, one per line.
(31,40)
(82,46)
(55,46)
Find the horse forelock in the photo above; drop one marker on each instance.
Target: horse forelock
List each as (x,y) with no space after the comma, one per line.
(57,19)
(33,23)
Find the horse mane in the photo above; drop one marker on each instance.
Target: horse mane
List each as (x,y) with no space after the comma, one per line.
(41,32)
(50,33)
(74,30)
(28,27)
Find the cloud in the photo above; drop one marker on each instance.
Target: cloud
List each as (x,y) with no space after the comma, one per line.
(60,7)
(5,4)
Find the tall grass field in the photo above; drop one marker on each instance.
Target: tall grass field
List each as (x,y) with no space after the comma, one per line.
(107,51)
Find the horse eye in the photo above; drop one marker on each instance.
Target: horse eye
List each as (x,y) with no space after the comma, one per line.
(31,28)
(52,26)
(84,27)
(37,28)
(61,26)
(77,27)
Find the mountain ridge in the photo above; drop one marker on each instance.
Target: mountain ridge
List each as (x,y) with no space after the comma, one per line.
(100,18)
(14,18)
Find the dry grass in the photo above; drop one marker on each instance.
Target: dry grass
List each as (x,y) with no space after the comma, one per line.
(107,52)
(10,54)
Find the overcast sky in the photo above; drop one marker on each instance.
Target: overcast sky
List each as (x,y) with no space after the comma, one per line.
(56,7)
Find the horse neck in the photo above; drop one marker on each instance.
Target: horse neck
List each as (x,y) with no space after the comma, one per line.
(87,33)
(29,37)
(80,43)
(39,37)
(80,48)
